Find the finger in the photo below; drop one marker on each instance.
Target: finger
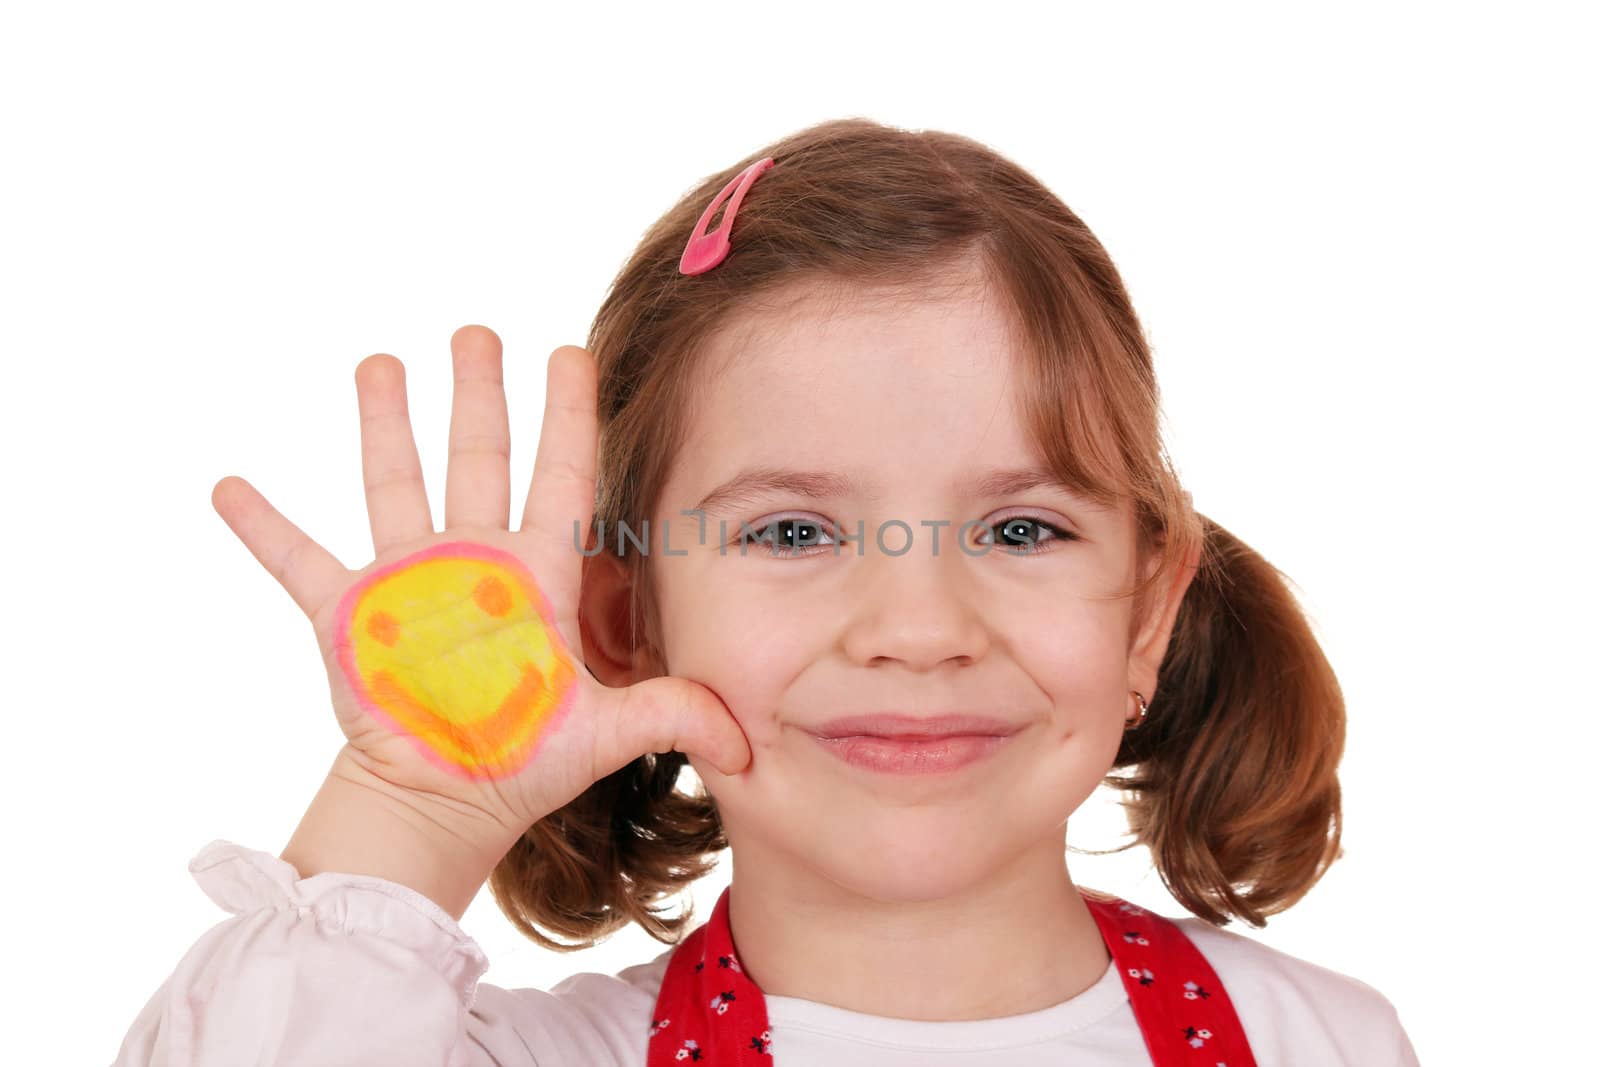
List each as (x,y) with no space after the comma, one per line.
(667,713)
(397,500)
(307,571)
(561,493)
(477,490)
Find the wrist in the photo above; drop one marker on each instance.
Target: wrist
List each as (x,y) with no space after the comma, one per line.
(360,824)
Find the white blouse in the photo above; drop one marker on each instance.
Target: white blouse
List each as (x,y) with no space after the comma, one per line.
(341,969)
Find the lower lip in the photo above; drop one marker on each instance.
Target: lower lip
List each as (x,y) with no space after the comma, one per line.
(906,756)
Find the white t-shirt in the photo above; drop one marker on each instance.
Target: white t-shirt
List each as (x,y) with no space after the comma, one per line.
(342,969)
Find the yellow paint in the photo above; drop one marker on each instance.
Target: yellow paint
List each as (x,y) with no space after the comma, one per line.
(454,647)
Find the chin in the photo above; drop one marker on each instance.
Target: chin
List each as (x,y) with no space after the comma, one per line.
(906,872)
(907,855)
(903,842)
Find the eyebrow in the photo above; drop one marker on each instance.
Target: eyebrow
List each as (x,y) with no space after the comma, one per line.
(754,482)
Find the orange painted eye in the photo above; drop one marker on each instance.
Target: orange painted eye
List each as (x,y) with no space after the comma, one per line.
(454,647)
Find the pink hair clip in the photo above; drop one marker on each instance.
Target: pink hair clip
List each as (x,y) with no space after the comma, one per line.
(706,250)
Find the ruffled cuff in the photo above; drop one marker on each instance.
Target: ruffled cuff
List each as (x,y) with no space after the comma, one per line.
(242,880)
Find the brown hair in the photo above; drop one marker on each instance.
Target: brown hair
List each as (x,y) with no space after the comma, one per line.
(1234,783)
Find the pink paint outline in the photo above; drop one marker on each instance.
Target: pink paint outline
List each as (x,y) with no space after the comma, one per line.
(344,649)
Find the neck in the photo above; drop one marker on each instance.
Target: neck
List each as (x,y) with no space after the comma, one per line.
(1020,941)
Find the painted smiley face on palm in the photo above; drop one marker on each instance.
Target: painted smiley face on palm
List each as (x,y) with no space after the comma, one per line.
(454,648)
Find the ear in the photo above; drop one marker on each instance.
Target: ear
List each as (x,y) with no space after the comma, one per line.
(604,624)
(1150,643)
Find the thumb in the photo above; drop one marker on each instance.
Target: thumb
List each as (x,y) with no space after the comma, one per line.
(666,713)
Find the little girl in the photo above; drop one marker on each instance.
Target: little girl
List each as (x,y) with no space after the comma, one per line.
(857,502)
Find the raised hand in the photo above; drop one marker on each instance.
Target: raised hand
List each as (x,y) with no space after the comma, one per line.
(450,657)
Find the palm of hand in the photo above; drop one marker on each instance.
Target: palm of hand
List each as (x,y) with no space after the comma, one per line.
(452,648)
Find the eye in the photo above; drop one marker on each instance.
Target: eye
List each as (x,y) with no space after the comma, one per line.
(1017,527)
(787,537)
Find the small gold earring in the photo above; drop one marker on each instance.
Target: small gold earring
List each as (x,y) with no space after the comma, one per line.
(1144,709)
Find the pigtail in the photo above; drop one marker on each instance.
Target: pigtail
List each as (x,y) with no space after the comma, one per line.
(611,856)
(1235,786)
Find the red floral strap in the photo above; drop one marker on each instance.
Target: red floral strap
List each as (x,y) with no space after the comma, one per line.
(709,1011)
(1185,1015)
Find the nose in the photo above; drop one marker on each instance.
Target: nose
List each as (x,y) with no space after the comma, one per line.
(919,609)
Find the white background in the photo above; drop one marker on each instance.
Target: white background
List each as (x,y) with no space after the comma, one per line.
(1362,240)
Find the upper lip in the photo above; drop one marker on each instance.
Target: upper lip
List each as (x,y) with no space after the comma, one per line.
(886,724)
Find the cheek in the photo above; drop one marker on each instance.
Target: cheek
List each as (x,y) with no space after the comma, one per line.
(749,645)
(1078,655)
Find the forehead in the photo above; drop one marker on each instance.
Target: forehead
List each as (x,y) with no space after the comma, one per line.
(833,313)
(912,385)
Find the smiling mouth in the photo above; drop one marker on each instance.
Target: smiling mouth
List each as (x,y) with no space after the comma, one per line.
(899,726)
(913,755)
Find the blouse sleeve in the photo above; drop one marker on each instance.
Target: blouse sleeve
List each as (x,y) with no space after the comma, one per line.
(335,969)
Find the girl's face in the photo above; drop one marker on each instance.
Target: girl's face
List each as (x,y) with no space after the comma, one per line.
(878,413)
